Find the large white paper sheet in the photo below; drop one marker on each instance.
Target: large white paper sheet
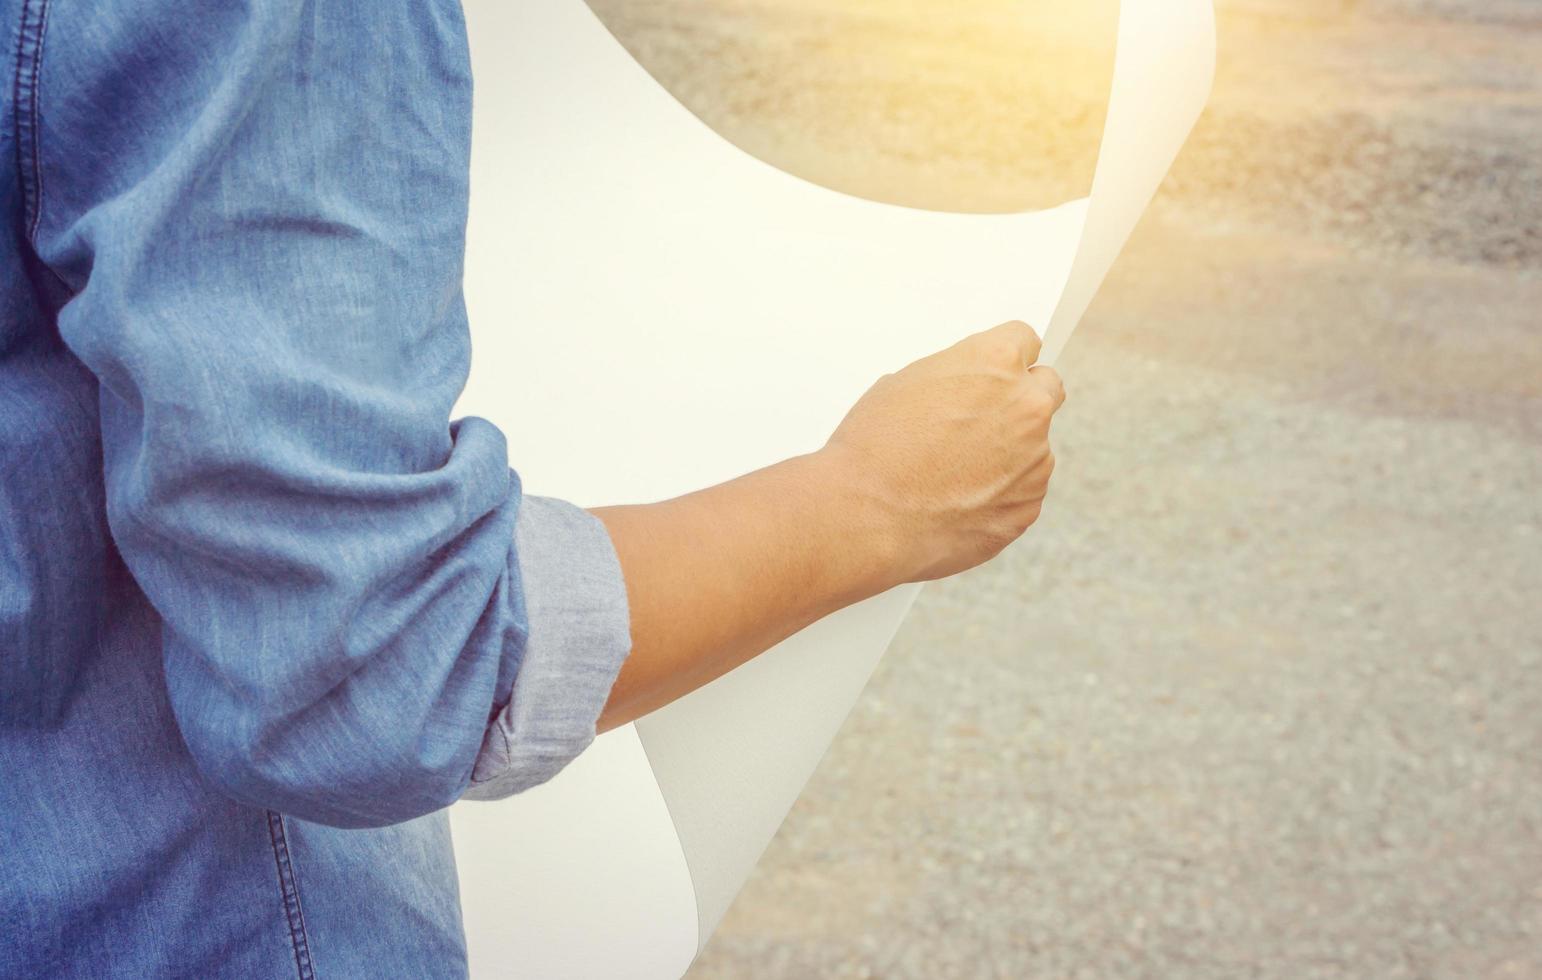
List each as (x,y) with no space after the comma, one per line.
(654,311)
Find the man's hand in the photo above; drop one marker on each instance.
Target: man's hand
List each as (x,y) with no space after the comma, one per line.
(937,468)
(955,450)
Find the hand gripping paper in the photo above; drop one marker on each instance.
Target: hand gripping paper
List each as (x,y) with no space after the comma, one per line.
(654,311)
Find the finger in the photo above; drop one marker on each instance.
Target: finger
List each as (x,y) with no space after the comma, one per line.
(1048,380)
(1016,337)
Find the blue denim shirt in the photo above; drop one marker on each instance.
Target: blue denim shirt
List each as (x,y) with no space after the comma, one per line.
(264,610)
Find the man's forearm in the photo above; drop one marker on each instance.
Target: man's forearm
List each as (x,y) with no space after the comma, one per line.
(717,576)
(935,469)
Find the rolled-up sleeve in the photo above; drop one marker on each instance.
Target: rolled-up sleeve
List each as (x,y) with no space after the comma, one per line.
(256,215)
(579,635)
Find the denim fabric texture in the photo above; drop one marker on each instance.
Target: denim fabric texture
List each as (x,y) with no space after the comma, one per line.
(264,609)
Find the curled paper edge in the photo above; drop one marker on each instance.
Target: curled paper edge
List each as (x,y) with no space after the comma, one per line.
(724,768)
(1163,71)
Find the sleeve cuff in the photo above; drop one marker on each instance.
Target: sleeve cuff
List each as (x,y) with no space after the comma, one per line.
(579,634)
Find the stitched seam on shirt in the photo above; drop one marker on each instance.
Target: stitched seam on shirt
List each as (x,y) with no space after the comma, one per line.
(18,97)
(29,61)
(291,894)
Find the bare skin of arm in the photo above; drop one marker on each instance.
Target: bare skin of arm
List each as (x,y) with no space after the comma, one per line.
(935,469)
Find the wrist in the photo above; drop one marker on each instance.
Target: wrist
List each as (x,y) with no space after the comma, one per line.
(859,518)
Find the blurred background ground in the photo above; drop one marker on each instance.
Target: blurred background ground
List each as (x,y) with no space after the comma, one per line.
(1261,695)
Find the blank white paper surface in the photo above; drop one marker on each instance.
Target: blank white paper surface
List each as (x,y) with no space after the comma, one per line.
(654,311)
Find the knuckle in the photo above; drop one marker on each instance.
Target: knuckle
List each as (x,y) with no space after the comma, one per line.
(1040,403)
(1050,381)
(1003,351)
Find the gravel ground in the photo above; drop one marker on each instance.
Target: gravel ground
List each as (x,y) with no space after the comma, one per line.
(1260,694)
